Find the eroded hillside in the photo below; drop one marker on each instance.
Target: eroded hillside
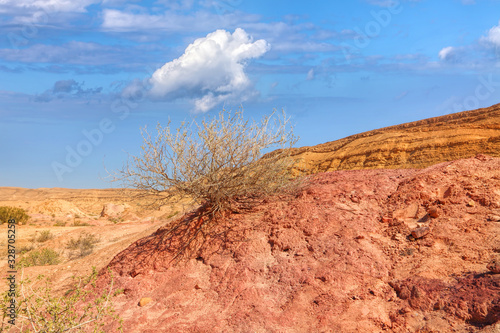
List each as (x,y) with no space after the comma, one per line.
(353,251)
(413,145)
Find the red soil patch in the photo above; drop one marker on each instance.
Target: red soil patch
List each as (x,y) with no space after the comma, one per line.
(338,256)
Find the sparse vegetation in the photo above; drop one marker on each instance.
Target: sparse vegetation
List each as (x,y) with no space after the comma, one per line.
(18,214)
(172,214)
(77,223)
(60,223)
(39,309)
(219,164)
(82,246)
(44,236)
(42,257)
(118,292)
(116,220)
(25,248)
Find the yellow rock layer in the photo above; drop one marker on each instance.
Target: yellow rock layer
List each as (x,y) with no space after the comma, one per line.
(417,144)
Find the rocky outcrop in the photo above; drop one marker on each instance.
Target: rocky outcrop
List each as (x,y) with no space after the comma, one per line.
(413,145)
(339,256)
(113,210)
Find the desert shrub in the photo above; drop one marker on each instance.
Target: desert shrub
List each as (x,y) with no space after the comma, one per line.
(78,223)
(60,223)
(219,164)
(18,214)
(39,309)
(82,246)
(25,248)
(43,257)
(44,236)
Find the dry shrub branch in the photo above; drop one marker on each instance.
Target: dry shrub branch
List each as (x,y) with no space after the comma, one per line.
(218,163)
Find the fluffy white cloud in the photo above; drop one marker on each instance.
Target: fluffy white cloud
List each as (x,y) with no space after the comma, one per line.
(493,36)
(211,70)
(446,53)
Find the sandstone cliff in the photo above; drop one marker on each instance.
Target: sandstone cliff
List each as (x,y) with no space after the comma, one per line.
(413,145)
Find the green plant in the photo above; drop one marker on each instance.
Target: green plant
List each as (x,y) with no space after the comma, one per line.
(60,223)
(44,236)
(39,309)
(43,257)
(82,246)
(116,220)
(118,292)
(18,214)
(80,224)
(172,214)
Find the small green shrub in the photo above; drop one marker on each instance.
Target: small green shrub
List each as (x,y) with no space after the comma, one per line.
(83,246)
(44,236)
(118,292)
(18,214)
(60,223)
(43,257)
(39,309)
(173,214)
(80,224)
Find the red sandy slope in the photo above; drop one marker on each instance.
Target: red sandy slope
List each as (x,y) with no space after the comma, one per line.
(334,258)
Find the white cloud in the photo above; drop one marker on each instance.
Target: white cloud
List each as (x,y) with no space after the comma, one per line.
(46,5)
(80,53)
(210,71)
(172,21)
(310,75)
(493,36)
(446,53)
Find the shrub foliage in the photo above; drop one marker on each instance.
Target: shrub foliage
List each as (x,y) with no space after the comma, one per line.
(83,245)
(8,212)
(42,257)
(218,163)
(39,309)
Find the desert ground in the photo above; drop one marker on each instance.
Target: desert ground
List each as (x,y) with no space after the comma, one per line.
(393,230)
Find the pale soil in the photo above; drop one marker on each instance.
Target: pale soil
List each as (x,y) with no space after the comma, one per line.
(69,213)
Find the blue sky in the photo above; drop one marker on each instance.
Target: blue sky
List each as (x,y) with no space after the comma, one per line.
(79,78)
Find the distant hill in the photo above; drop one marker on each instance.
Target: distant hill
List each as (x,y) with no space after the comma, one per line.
(417,144)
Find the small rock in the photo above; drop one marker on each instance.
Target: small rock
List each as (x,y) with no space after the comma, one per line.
(494,218)
(471,203)
(386,219)
(112,210)
(144,301)
(494,266)
(433,212)
(420,232)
